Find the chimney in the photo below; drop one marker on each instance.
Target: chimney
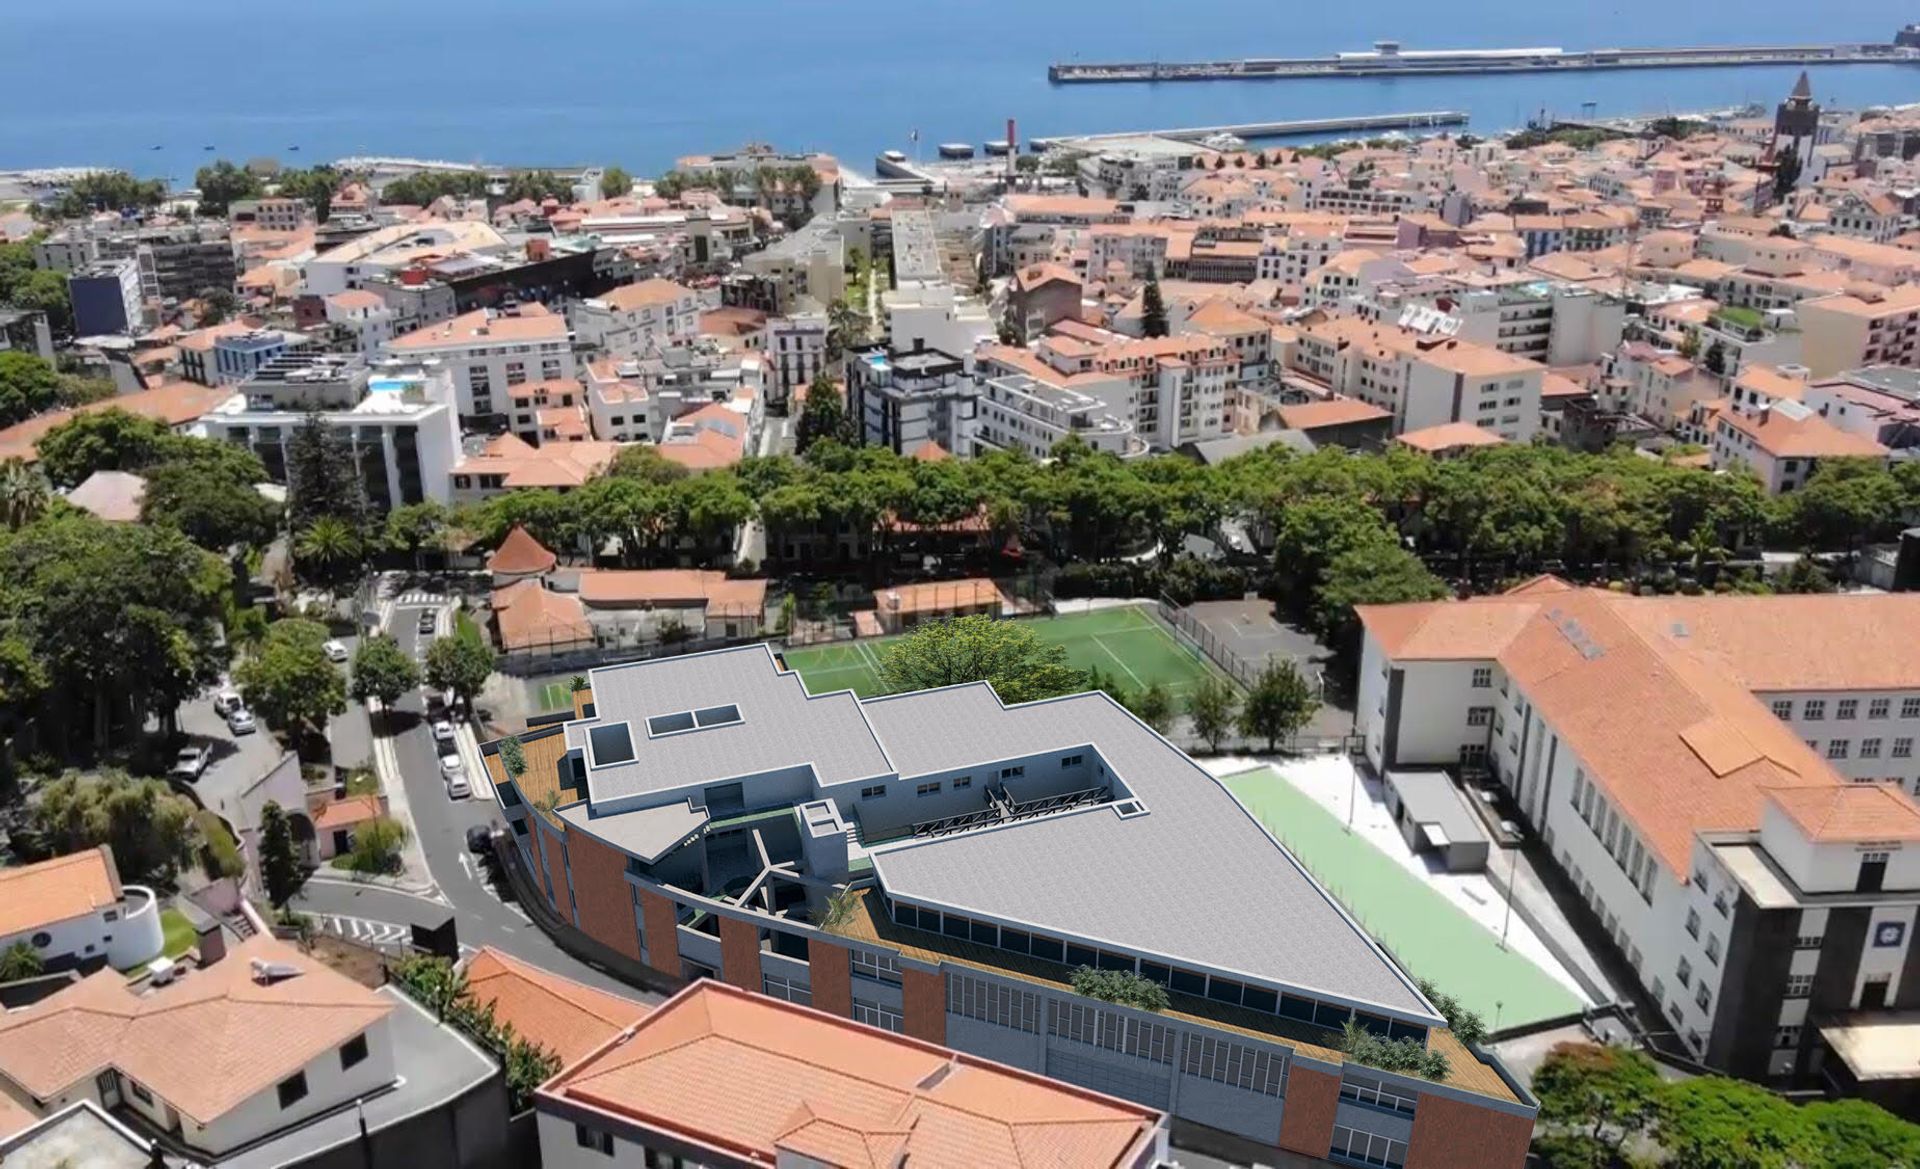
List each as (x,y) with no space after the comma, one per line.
(211,941)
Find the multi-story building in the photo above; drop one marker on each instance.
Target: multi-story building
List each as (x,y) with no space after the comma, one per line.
(936,315)
(1784,443)
(905,399)
(237,356)
(1847,331)
(26,330)
(1181,384)
(488,351)
(814,1088)
(273,212)
(398,417)
(1660,386)
(106,298)
(796,353)
(259,1056)
(173,261)
(1724,781)
(801,271)
(922,862)
(1423,380)
(637,318)
(1022,412)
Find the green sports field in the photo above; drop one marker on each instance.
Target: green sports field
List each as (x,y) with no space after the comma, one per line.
(556,695)
(1127,643)
(1430,936)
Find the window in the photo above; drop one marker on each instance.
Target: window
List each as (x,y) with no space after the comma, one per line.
(353,1051)
(1713,949)
(1239,1065)
(1479,716)
(1814,710)
(1838,748)
(877,792)
(1352,1147)
(1065,761)
(928,789)
(1783,709)
(962,781)
(1482,677)
(293,1089)
(1683,974)
(1808,941)
(1878,708)
(1799,986)
(1910,708)
(786,990)
(993,1002)
(875,1015)
(1786,1037)
(1011,772)
(1870,748)
(1703,998)
(876,965)
(593,1138)
(1903,747)
(1374,1095)
(139,1092)
(1846,708)
(1693,924)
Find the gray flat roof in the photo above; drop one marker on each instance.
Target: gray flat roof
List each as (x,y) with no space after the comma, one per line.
(1430,798)
(780,725)
(648,833)
(78,1135)
(1196,881)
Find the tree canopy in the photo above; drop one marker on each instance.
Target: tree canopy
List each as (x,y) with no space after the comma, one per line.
(222,184)
(28,385)
(1008,655)
(288,679)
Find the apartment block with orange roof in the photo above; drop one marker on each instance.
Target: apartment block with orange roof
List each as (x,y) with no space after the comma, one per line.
(1847,331)
(1724,780)
(488,352)
(1784,443)
(636,318)
(921,863)
(1424,380)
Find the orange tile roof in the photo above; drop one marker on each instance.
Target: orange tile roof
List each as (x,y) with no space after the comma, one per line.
(529,615)
(936,596)
(1448,436)
(645,294)
(1770,381)
(1853,813)
(1781,435)
(65,887)
(1852,641)
(665,586)
(204,1044)
(530,322)
(753,1078)
(348,812)
(521,553)
(566,1017)
(558,464)
(1332,412)
(175,404)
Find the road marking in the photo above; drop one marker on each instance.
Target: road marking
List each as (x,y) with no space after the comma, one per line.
(466,866)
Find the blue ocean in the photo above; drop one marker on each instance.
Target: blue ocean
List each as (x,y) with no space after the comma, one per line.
(152,86)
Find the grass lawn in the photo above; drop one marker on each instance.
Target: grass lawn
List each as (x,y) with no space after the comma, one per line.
(177,931)
(1429,935)
(1129,643)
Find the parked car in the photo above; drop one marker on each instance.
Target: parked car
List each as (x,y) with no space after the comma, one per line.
(429,621)
(479,839)
(442,731)
(226,702)
(191,762)
(451,765)
(240,721)
(335,651)
(457,788)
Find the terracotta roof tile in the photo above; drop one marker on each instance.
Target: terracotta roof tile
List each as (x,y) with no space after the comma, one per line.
(567,1018)
(520,553)
(65,887)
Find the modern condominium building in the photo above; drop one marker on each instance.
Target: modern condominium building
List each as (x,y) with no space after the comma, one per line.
(1724,779)
(939,864)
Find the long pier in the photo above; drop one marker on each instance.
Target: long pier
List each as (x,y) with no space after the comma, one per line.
(1289,129)
(1387,59)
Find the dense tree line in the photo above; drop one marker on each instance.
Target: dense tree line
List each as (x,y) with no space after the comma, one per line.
(111,190)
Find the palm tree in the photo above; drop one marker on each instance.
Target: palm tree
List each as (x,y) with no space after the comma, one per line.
(23,493)
(330,546)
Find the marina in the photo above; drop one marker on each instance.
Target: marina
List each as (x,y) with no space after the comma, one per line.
(1389,59)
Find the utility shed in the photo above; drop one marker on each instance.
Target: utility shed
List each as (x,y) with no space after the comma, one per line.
(1434,816)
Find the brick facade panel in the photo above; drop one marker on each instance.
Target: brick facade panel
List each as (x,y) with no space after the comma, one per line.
(1306,1123)
(601,895)
(923,997)
(831,976)
(663,943)
(740,953)
(1449,1132)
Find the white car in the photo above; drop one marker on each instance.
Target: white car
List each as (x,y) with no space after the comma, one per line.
(226,702)
(191,763)
(457,788)
(442,731)
(451,765)
(240,721)
(335,651)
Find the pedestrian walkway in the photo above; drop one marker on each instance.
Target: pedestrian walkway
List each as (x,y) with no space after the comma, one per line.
(379,934)
(419,598)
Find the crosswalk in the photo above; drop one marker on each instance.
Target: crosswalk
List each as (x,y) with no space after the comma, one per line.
(370,933)
(420,598)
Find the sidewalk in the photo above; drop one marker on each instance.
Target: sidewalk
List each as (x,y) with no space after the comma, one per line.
(416,876)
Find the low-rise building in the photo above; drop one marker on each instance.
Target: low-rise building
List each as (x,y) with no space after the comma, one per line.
(73,911)
(635,319)
(1784,444)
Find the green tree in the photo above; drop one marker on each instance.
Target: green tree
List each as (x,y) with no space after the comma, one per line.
(149,827)
(24,493)
(1153,308)
(823,416)
(1376,574)
(460,664)
(1846,503)
(382,670)
(1154,706)
(1593,1100)
(1006,654)
(377,845)
(28,386)
(323,477)
(424,187)
(109,190)
(615,182)
(81,390)
(223,184)
(317,186)
(214,503)
(1861,1135)
(329,551)
(46,291)
(216,305)
(1278,705)
(289,680)
(414,527)
(1713,1122)
(101,440)
(1715,360)
(1213,707)
(279,866)
(513,757)
(19,961)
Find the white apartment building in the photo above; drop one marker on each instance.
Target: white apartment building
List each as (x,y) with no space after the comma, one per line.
(906,400)
(1843,332)
(1424,381)
(398,416)
(1723,779)
(1661,386)
(1783,444)
(1297,253)
(487,351)
(364,316)
(796,352)
(1020,412)
(936,316)
(637,318)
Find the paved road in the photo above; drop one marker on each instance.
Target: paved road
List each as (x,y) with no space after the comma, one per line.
(440,823)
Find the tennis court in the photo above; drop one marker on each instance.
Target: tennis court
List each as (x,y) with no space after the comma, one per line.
(1127,643)
(1430,936)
